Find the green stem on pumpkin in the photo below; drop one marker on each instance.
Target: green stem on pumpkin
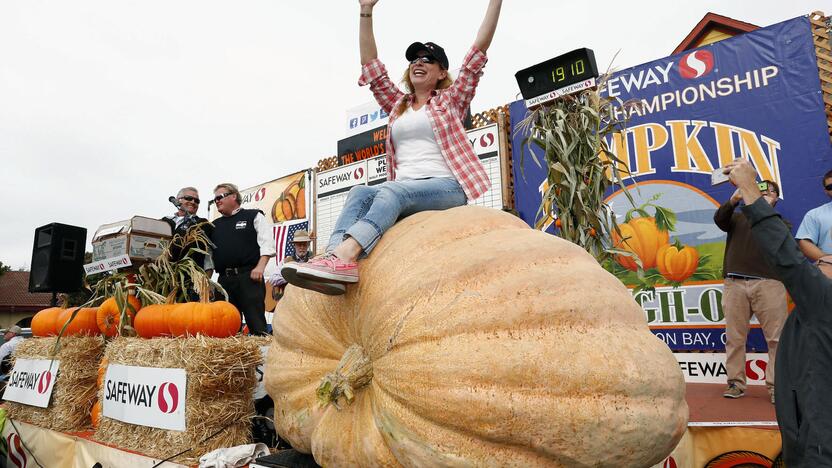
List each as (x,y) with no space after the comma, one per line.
(355,370)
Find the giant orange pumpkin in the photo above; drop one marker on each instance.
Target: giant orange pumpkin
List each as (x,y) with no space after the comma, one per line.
(642,237)
(108,316)
(43,323)
(217,319)
(152,321)
(84,322)
(677,262)
(474,340)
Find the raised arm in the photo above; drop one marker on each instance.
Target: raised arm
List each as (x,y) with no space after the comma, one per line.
(804,281)
(488,26)
(366,39)
(722,217)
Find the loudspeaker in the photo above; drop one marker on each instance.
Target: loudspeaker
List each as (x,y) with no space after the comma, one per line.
(58,258)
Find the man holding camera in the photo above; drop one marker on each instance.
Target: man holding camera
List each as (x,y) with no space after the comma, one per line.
(804,358)
(751,288)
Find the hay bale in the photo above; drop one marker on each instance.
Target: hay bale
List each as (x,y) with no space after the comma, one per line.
(75,390)
(219,396)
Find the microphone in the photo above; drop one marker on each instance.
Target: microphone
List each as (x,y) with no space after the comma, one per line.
(175,202)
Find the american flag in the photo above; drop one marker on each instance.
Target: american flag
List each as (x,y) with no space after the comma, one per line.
(283,236)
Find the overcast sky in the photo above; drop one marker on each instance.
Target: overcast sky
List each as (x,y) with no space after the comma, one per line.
(108,107)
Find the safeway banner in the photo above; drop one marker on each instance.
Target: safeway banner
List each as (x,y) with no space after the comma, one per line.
(147,396)
(710,367)
(755,96)
(31,381)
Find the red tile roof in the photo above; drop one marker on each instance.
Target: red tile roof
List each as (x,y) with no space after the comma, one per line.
(14,292)
(713,21)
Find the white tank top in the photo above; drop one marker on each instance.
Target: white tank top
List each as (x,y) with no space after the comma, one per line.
(417,154)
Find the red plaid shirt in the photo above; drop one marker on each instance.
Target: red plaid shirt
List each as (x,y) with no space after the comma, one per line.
(445,110)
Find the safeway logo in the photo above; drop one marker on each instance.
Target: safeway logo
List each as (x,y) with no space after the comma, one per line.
(696,64)
(358,174)
(755,369)
(16,453)
(487,140)
(260,194)
(44,381)
(168,397)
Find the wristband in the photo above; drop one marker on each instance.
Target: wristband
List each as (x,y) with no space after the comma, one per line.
(366,15)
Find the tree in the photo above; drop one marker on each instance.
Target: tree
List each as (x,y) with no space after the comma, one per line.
(4,268)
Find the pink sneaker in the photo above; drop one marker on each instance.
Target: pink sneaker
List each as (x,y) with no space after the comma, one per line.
(328,267)
(290,275)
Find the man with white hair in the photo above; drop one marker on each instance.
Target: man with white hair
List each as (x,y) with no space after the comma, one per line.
(185,218)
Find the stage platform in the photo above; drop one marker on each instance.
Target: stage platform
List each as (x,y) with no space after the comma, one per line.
(709,408)
(725,432)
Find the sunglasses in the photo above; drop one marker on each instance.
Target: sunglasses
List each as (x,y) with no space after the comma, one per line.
(423,59)
(828,187)
(221,196)
(190,199)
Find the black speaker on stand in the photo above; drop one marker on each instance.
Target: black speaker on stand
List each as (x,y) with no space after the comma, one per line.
(58,258)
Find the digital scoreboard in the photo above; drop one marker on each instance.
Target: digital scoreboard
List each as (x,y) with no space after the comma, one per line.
(562,75)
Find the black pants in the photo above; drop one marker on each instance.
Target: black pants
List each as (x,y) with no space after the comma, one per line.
(249,297)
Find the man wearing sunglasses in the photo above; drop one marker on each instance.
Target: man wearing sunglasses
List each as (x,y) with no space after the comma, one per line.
(243,244)
(815,232)
(185,218)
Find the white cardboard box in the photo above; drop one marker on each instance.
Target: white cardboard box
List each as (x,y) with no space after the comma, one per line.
(139,238)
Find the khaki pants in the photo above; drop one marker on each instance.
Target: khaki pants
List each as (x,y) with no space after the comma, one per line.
(765,298)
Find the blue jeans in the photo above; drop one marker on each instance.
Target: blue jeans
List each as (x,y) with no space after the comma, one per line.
(371,210)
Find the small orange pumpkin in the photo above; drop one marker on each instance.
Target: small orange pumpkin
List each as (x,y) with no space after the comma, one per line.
(642,237)
(677,262)
(84,322)
(43,323)
(152,321)
(95,414)
(217,319)
(109,315)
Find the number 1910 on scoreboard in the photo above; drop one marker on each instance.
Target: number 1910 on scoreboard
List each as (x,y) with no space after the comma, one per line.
(541,82)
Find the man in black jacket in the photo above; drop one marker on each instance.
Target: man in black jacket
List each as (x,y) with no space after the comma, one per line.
(804,357)
(243,243)
(185,219)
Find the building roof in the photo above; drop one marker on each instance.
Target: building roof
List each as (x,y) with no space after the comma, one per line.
(712,28)
(14,293)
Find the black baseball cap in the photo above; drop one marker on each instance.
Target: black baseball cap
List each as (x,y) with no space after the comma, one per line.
(432,49)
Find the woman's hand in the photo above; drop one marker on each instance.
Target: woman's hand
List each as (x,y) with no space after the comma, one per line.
(366,38)
(488,26)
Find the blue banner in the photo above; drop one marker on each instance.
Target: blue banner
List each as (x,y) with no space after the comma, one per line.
(756,96)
